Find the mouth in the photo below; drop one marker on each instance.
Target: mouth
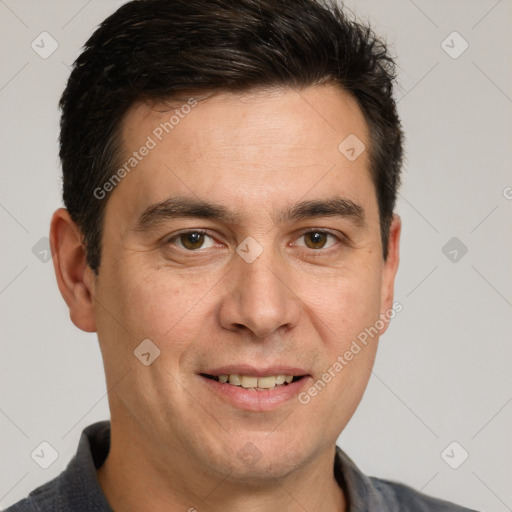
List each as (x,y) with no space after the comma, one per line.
(255,389)
(254,382)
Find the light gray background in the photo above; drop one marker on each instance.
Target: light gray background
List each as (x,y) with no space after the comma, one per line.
(444,366)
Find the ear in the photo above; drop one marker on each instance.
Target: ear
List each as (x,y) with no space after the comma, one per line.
(390,268)
(74,277)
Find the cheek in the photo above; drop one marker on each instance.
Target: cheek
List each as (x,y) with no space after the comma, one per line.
(149,303)
(156,303)
(345,317)
(349,304)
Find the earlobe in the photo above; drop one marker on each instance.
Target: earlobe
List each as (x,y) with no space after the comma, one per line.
(390,266)
(74,276)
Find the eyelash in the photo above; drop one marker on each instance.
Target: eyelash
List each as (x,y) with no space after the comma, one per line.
(338,239)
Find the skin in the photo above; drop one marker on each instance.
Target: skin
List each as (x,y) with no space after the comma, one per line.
(174,441)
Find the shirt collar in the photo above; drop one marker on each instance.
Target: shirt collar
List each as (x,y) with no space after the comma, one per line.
(78,488)
(361,494)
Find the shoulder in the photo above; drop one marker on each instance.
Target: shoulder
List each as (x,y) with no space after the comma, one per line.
(40,499)
(76,489)
(410,500)
(371,494)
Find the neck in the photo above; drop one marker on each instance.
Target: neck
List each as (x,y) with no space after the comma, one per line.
(136,476)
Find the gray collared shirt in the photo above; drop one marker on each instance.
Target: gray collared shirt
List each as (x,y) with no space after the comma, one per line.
(77,488)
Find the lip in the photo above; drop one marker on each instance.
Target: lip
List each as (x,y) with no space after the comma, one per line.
(252,400)
(256,372)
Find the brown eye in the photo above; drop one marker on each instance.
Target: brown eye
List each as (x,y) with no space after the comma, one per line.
(192,240)
(316,239)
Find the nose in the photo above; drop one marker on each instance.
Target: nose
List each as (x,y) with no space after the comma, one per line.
(260,297)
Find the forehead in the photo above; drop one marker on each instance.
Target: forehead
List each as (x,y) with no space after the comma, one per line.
(315,117)
(258,147)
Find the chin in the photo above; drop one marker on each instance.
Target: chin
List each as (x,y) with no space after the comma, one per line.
(254,460)
(268,468)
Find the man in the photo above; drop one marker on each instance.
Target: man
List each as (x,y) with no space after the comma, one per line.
(230,174)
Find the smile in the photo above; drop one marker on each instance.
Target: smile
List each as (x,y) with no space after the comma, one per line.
(255,389)
(254,382)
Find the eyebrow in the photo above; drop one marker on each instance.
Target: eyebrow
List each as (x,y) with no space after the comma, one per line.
(331,207)
(181,207)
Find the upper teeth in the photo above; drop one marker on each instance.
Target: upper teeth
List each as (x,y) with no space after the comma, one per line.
(249,381)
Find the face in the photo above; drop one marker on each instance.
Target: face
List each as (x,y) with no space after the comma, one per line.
(244,243)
